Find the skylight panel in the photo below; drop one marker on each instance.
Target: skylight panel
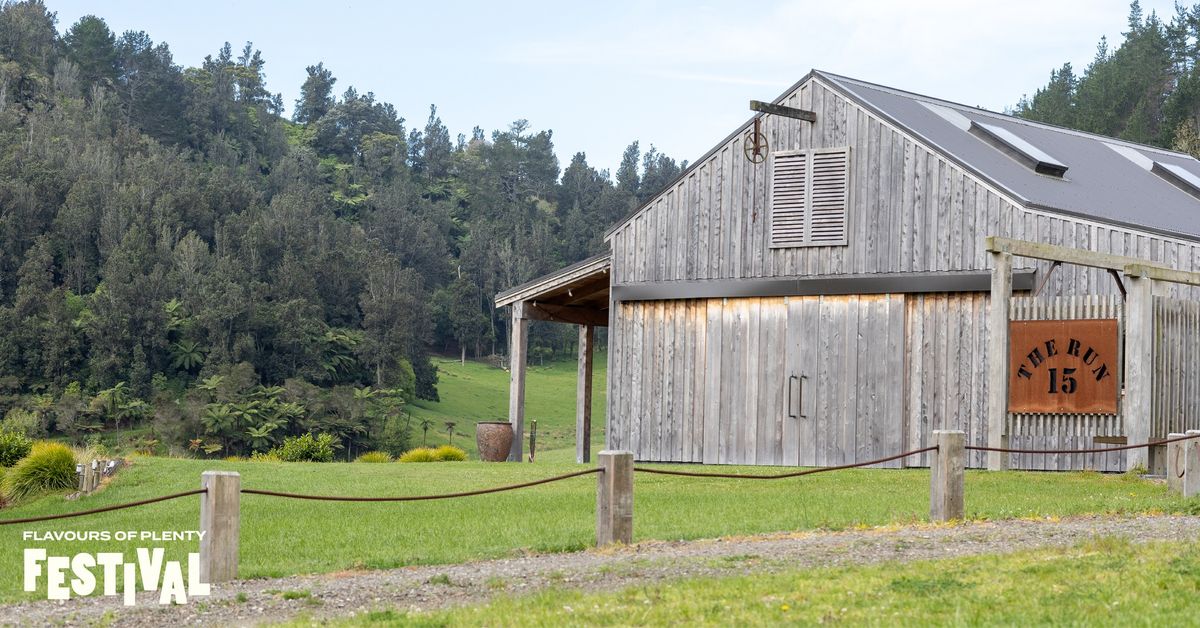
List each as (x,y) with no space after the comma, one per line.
(1180,176)
(1008,142)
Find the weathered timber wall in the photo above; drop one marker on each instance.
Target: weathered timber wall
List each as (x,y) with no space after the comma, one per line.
(1176,367)
(711,380)
(910,210)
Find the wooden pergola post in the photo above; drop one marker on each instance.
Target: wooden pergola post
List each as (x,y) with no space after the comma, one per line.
(583,396)
(997,409)
(1137,405)
(518,353)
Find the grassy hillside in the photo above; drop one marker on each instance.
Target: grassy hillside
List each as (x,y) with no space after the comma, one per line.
(479,392)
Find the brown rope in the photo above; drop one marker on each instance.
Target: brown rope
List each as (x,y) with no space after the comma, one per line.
(1098,450)
(93,511)
(738,476)
(415,498)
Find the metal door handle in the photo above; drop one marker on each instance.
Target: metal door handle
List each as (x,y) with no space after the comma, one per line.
(800,401)
(791,380)
(797,412)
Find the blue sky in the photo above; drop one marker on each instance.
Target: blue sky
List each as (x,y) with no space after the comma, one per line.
(601,74)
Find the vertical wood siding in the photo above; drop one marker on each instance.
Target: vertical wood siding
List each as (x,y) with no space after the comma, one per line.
(708,380)
(946,370)
(1176,367)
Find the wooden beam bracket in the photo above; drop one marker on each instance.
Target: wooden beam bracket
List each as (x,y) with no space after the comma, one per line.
(780,110)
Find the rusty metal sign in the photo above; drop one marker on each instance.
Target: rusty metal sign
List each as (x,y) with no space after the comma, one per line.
(1063,367)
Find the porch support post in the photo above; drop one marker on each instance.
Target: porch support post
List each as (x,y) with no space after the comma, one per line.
(997,409)
(583,395)
(1139,367)
(518,345)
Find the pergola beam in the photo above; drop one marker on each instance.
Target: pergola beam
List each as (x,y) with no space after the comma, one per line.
(1157,273)
(566,314)
(1055,253)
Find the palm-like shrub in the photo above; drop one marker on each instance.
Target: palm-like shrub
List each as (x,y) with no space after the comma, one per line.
(48,467)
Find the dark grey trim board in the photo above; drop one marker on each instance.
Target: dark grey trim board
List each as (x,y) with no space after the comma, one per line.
(892,283)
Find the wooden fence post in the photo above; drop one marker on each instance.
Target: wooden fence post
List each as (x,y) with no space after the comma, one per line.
(997,377)
(946,475)
(1139,367)
(220,518)
(614,498)
(1175,453)
(1190,484)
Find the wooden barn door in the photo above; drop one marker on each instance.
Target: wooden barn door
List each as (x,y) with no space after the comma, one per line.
(845,371)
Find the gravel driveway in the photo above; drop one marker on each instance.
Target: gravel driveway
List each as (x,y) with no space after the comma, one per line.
(430,587)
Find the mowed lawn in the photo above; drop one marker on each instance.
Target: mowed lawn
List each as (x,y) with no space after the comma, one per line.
(476,391)
(284,537)
(1104,582)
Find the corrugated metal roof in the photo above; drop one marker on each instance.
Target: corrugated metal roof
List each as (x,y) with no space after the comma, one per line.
(1107,179)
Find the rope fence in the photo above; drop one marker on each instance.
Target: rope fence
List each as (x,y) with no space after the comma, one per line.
(67,515)
(417,498)
(220,509)
(780,476)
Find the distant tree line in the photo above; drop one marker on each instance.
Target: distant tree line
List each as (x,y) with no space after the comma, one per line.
(1146,89)
(164,225)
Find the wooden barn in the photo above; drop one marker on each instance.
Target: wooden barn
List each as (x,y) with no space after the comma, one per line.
(846,272)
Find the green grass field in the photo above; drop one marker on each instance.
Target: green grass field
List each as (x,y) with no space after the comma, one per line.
(284,537)
(1106,581)
(479,392)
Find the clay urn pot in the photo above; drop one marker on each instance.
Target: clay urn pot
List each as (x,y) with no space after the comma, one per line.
(494,440)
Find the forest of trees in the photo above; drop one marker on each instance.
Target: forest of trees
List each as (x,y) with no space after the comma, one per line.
(174,252)
(173,248)
(1146,89)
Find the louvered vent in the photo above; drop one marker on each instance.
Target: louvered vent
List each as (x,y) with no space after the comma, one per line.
(809,198)
(829,179)
(789,205)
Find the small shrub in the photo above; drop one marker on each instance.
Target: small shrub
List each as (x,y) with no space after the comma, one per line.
(445,453)
(374,456)
(234,459)
(420,454)
(269,456)
(13,447)
(306,448)
(48,467)
(449,453)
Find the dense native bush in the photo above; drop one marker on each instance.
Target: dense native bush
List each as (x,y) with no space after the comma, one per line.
(13,447)
(374,456)
(306,448)
(48,467)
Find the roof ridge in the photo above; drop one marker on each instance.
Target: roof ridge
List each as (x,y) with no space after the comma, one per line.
(1003,116)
